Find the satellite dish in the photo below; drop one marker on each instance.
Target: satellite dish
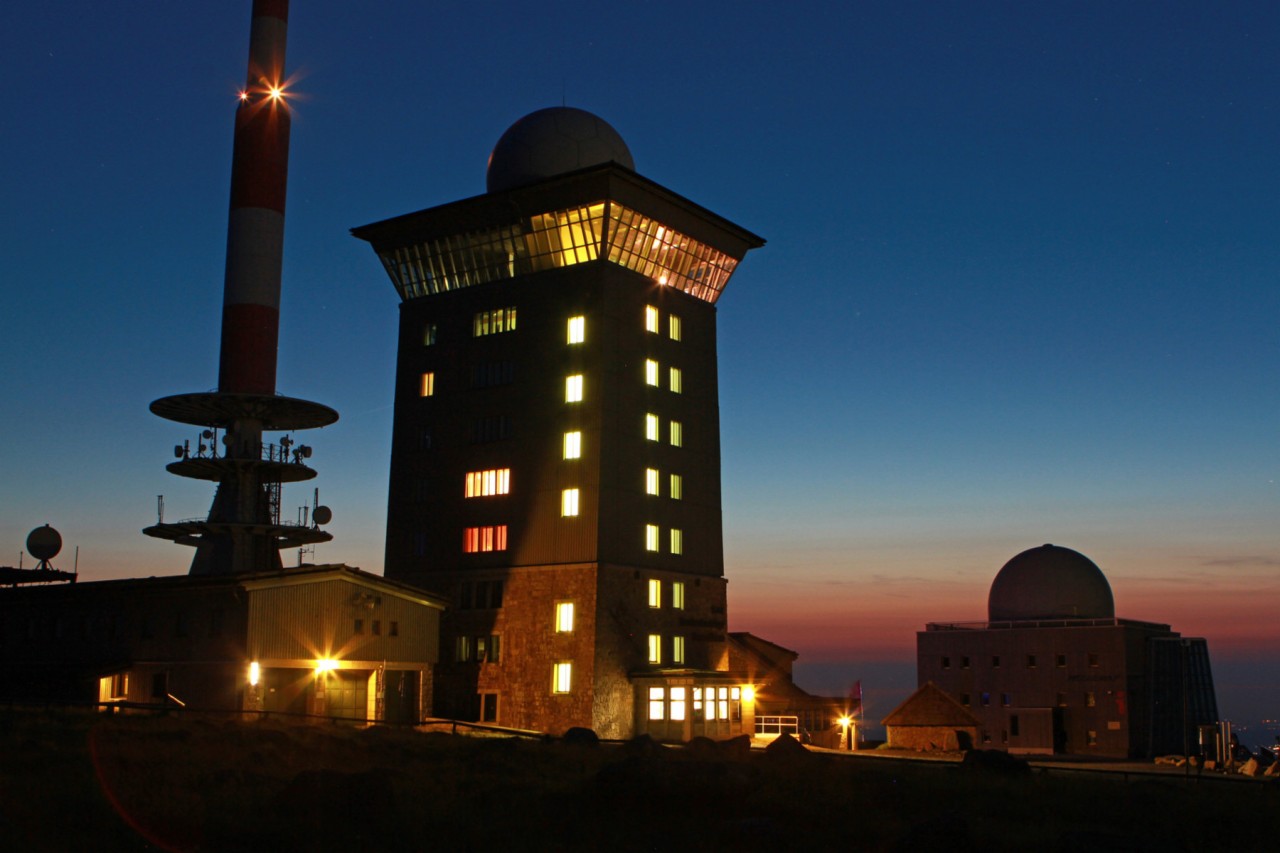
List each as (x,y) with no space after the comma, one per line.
(207,434)
(320,515)
(306,451)
(177,451)
(44,543)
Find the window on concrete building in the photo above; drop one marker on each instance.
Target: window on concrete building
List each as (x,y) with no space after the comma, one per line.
(1092,738)
(655,648)
(964,661)
(650,481)
(964,699)
(677,650)
(393,629)
(462,649)
(986,699)
(476,540)
(651,427)
(655,592)
(677,595)
(650,372)
(1013,724)
(491,374)
(651,537)
(1005,700)
(1090,700)
(657,703)
(1060,661)
(577,330)
(377,627)
(946,662)
(489,649)
(573,445)
(677,541)
(483,484)
(1062,700)
(569,503)
(494,322)
(561,677)
(573,388)
(676,487)
(429,335)
(677,434)
(1031,661)
(427,386)
(678,703)
(358,628)
(650,318)
(673,327)
(564,617)
(675,380)
(1093,659)
(986,736)
(995,661)
(488,710)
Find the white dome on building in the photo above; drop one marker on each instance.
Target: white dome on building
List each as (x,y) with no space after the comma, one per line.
(1050,582)
(551,142)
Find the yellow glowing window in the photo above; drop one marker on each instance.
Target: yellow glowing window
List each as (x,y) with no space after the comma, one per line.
(495,481)
(678,702)
(428,386)
(677,434)
(569,502)
(650,372)
(650,481)
(572,445)
(677,541)
(710,710)
(677,654)
(676,487)
(655,592)
(651,427)
(722,706)
(577,332)
(651,537)
(675,381)
(564,617)
(657,703)
(573,388)
(655,648)
(673,327)
(561,677)
(650,319)
(494,322)
(677,595)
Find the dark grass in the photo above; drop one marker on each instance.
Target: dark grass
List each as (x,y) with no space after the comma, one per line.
(72,781)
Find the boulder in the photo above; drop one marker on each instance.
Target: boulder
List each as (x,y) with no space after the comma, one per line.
(581,736)
(995,761)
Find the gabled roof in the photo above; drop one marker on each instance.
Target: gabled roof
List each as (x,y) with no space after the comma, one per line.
(930,705)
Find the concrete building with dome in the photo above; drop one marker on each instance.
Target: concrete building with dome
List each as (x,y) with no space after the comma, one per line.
(1053,670)
(555,462)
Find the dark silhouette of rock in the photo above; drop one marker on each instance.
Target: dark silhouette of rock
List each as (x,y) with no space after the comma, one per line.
(642,745)
(702,747)
(996,761)
(737,748)
(787,748)
(581,736)
(948,832)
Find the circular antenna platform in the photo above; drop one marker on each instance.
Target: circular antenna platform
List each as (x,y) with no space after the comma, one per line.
(44,543)
(322,515)
(216,409)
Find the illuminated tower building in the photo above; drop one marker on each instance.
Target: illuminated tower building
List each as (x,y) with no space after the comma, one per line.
(244,532)
(556,453)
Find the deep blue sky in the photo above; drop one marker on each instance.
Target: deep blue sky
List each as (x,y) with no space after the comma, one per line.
(1020,285)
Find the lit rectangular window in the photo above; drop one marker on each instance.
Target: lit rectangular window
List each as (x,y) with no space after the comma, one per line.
(569,502)
(651,537)
(651,427)
(495,481)
(494,322)
(677,649)
(650,372)
(673,327)
(677,434)
(1090,700)
(655,592)
(577,330)
(428,386)
(650,318)
(722,706)
(675,381)
(655,648)
(573,445)
(677,595)
(477,540)
(564,617)
(677,487)
(561,677)
(462,649)
(573,388)
(657,703)
(677,541)
(429,335)
(650,481)
(678,702)
(710,693)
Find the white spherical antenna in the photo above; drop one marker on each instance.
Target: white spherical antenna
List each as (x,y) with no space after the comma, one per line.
(322,515)
(44,543)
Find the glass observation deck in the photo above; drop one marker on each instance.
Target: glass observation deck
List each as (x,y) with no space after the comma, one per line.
(604,230)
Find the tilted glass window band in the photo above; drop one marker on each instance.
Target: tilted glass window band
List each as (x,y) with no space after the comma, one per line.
(651,537)
(655,648)
(573,445)
(477,540)
(428,385)
(650,372)
(650,481)
(677,541)
(655,592)
(495,481)
(677,595)
(673,327)
(675,381)
(561,677)
(676,487)
(573,388)
(494,322)
(650,318)
(569,503)
(651,427)
(564,617)
(677,434)
(559,239)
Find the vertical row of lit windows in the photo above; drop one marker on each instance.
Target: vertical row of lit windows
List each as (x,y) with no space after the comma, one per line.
(569,503)
(650,372)
(564,617)
(651,537)
(573,445)
(576,332)
(495,481)
(561,677)
(573,388)
(479,539)
(494,322)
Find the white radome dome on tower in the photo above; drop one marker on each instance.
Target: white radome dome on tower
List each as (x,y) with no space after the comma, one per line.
(551,142)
